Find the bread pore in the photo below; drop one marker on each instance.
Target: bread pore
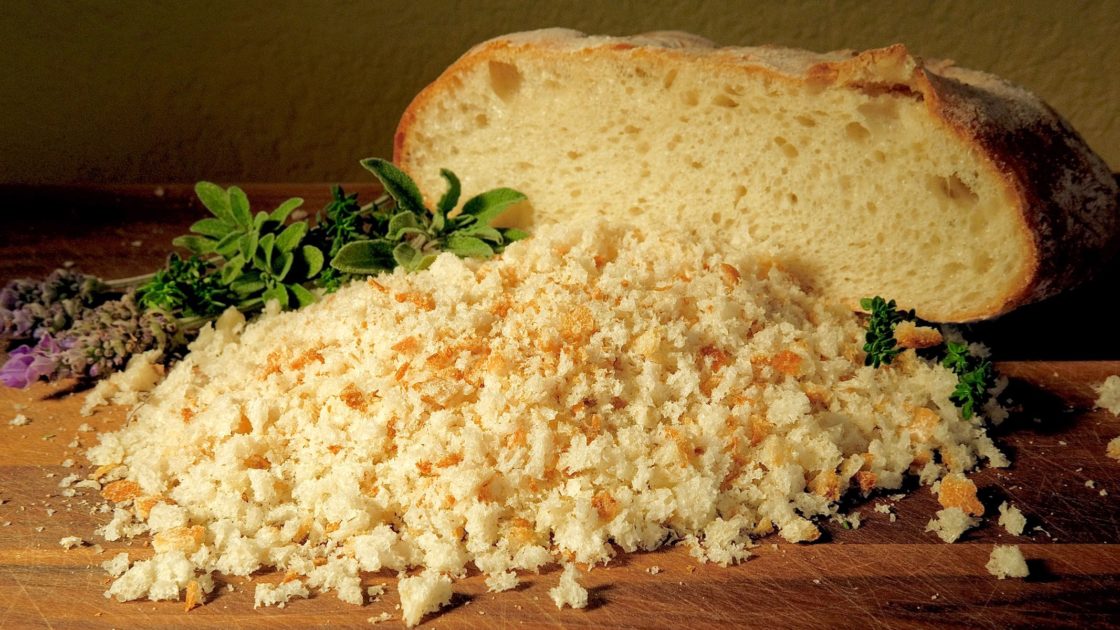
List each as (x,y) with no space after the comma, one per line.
(595,389)
(877,173)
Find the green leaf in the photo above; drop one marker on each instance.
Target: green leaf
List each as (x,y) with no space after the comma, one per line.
(484,232)
(196,244)
(239,207)
(512,235)
(401,221)
(248,244)
(278,293)
(364,257)
(211,227)
(450,198)
(281,213)
(282,264)
(397,184)
(229,245)
(216,201)
(487,206)
(247,285)
(232,270)
(468,247)
(313,259)
(406,256)
(302,295)
(259,220)
(265,247)
(291,236)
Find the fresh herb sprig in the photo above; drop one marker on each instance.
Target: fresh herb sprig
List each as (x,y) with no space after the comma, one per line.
(880,345)
(413,235)
(975,375)
(257,257)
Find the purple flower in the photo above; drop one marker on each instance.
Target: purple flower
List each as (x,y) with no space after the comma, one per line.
(26,364)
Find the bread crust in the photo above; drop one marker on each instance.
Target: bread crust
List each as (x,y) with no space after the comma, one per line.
(1064,196)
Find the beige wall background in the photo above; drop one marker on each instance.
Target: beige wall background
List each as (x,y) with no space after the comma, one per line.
(143,91)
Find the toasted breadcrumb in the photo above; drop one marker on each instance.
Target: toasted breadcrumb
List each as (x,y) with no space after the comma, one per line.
(910,335)
(279,594)
(1113,448)
(1007,561)
(590,391)
(1011,519)
(569,592)
(423,594)
(950,523)
(1108,394)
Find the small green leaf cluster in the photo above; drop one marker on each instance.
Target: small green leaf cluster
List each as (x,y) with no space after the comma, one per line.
(880,343)
(409,234)
(975,376)
(188,287)
(258,257)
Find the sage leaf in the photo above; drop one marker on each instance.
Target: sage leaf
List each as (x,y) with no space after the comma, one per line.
(513,234)
(249,244)
(401,221)
(282,264)
(291,236)
(232,269)
(399,185)
(313,259)
(468,247)
(281,213)
(229,245)
(302,295)
(406,256)
(450,199)
(364,257)
(487,206)
(196,244)
(239,207)
(216,201)
(211,227)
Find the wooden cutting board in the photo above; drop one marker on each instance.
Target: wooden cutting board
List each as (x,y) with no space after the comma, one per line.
(882,574)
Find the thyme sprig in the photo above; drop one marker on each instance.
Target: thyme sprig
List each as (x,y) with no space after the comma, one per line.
(975,375)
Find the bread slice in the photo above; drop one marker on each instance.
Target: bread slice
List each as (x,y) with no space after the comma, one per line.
(950,190)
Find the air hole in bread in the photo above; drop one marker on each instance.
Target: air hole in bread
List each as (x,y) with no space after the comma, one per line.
(670,79)
(722,100)
(634,211)
(716,218)
(691,98)
(574,155)
(482,121)
(805,121)
(788,149)
(857,132)
(631,129)
(505,79)
(952,189)
(880,111)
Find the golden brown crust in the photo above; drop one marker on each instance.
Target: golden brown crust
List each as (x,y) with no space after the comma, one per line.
(1062,193)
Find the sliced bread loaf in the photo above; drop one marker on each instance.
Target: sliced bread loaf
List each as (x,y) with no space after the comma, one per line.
(954,192)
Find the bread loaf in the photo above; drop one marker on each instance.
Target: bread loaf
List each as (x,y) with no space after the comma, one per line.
(877,172)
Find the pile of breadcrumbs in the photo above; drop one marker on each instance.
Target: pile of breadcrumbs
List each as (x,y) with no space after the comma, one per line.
(595,389)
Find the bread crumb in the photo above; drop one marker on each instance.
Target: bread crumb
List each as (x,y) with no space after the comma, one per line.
(69,542)
(381,618)
(423,594)
(1011,519)
(19,420)
(569,592)
(375,592)
(503,581)
(1007,561)
(958,491)
(1109,395)
(1090,484)
(279,594)
(1113,448)
(950,523)
(654,570)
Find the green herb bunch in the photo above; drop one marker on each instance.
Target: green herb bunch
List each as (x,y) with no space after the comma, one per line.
(409,234)
(880,343)
(975,376)
(70,325)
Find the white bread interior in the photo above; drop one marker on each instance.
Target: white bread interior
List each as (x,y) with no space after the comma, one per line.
(864,174)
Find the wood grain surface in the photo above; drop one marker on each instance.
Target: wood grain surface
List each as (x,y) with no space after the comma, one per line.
(882,574)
